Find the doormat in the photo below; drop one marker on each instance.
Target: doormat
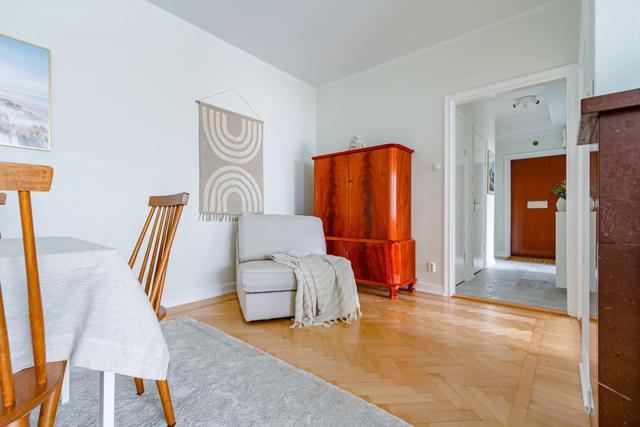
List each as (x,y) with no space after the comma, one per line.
(532,260)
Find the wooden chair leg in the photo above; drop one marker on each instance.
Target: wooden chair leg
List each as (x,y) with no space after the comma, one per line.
(165,397)
(50,407)
(139,386)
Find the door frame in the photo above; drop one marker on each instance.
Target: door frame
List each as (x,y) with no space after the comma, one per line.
(577,175)
(467,266)
(485,148)
(507,186)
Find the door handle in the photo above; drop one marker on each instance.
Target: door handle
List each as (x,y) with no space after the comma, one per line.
(475,204)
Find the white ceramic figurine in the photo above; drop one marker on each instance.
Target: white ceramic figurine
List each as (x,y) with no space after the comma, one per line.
(356,142)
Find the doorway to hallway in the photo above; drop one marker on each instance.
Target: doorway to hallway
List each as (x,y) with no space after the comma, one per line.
(511,157)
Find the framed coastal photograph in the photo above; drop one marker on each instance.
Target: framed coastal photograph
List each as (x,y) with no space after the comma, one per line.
(25,89)
(491,172)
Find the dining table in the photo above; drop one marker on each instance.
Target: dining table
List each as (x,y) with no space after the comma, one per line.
(96,314)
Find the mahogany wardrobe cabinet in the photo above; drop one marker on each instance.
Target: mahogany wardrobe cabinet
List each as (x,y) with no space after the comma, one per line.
(363,197)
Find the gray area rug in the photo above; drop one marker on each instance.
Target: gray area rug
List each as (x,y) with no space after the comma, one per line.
(218,380)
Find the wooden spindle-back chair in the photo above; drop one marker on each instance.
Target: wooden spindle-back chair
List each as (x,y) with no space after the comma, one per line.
(165,215)
(41,384)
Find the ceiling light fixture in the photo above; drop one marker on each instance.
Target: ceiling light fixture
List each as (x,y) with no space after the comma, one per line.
(525,101)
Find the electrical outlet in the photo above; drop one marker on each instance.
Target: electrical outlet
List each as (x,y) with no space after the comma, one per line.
(431,267)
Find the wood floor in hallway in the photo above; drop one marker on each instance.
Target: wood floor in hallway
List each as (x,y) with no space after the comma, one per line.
(430,360)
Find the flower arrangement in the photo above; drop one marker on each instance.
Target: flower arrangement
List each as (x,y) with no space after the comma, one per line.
(560,190)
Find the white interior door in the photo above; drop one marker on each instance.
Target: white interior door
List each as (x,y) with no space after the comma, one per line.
(478,189)
(463,136)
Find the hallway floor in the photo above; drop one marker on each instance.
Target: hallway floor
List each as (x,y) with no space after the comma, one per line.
(521,283)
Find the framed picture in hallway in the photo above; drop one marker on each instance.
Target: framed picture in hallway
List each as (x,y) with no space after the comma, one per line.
(25,107)
(491,172)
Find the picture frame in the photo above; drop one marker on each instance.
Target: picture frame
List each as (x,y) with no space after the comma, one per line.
(25,94)
(491,172)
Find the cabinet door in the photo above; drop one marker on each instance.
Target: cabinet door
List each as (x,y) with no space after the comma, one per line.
(370,195)
(331,194)
(379,263)
(369,261)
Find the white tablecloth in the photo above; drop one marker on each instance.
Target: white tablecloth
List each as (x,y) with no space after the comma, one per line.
(96,314)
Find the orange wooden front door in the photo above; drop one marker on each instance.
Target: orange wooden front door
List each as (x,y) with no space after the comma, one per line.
(533,227)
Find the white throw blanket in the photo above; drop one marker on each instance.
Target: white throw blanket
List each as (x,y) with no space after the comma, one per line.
(327,291)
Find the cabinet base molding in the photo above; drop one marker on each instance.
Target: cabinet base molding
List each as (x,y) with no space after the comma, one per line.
(393,288)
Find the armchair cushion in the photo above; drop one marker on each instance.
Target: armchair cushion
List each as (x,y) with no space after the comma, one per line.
(265,276)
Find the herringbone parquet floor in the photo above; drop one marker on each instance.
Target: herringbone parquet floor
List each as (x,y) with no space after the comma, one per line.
(432,361)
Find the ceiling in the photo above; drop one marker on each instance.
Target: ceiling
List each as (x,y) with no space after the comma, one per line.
(550,115)
(325,40)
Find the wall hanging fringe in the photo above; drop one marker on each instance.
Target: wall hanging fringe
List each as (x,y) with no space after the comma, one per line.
(218,217)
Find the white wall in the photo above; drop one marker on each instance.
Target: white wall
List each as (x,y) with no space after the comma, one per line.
(617,45)
(125,75)
(403,101)
(587,47)
(546,141)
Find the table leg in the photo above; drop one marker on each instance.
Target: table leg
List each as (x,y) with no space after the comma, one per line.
(64,396)
(107,398)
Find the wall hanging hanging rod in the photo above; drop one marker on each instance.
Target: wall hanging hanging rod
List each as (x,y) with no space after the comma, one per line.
(233,89)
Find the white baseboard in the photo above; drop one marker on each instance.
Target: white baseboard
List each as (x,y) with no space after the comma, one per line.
(171,299)
(429,288)
(501,255)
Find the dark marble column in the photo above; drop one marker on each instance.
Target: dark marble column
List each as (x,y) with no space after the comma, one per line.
(616,127)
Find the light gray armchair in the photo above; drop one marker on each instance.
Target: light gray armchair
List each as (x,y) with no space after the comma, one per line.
(267,290)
